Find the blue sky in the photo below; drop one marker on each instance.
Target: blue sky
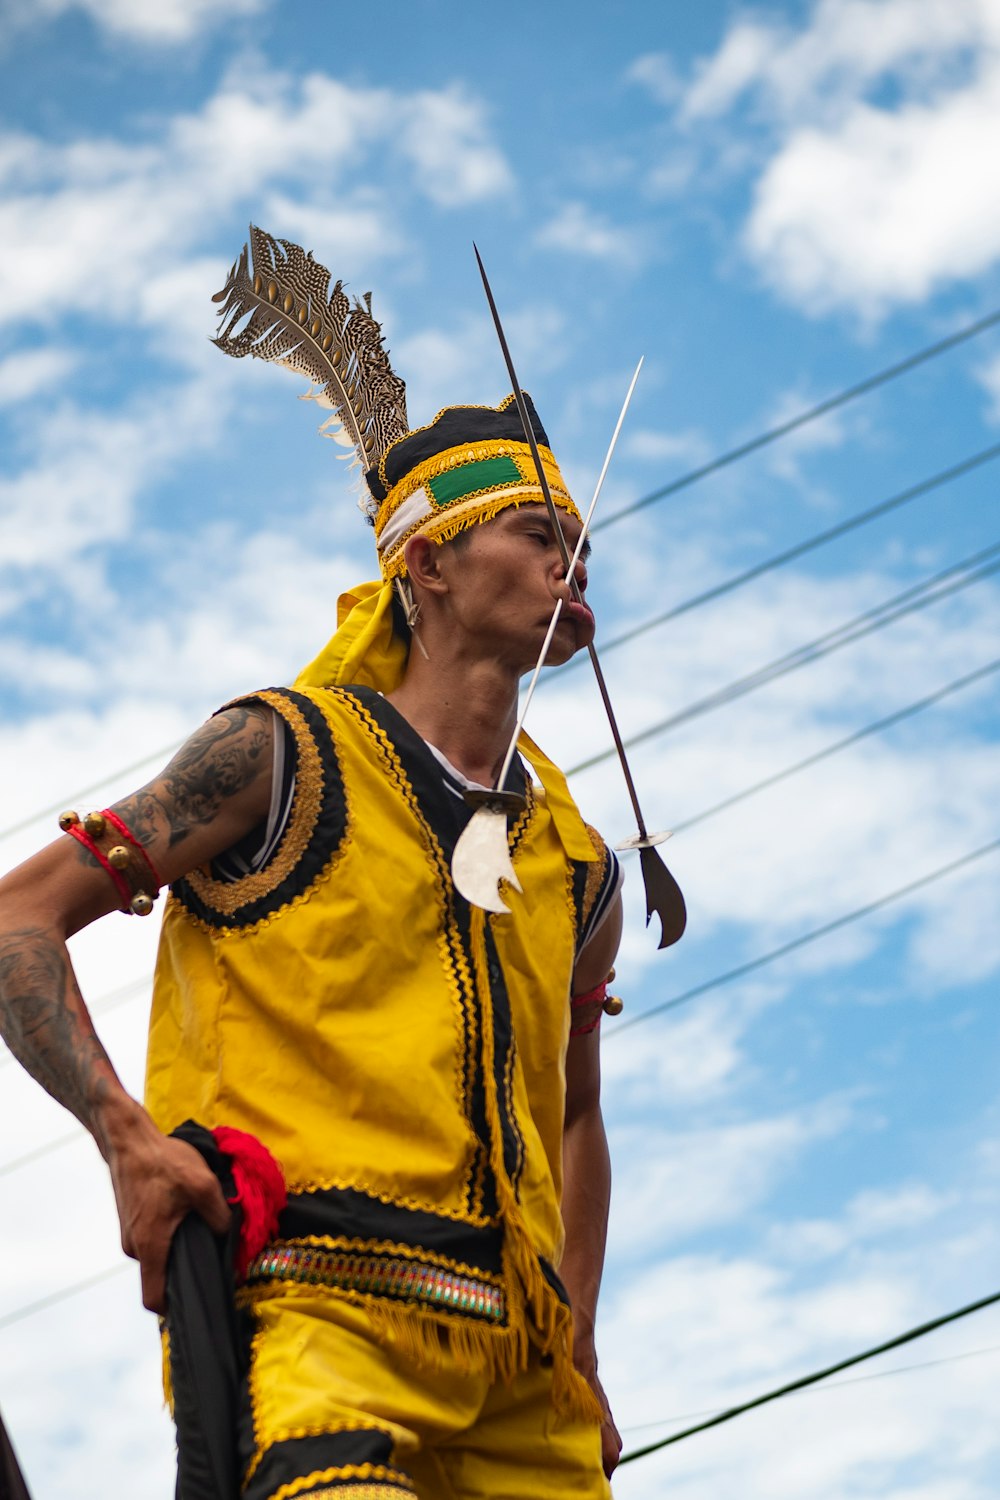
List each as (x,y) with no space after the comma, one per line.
(769,204)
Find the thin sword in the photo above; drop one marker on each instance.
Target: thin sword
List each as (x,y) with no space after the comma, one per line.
(580,544)
(662,893)
(481,858)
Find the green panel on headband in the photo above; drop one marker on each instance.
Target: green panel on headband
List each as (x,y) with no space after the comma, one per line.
(485,474)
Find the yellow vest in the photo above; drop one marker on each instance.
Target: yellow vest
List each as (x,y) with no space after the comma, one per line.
(400,1053)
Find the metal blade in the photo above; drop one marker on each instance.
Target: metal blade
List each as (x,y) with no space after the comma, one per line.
(662,895)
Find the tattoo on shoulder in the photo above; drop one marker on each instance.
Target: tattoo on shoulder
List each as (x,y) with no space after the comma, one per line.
(218,761)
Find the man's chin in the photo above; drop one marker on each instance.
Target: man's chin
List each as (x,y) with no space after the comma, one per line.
(572,635)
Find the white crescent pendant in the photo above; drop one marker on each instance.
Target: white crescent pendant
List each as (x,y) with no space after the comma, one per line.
(482,859)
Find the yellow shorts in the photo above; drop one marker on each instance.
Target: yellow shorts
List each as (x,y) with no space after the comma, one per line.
(333,1414)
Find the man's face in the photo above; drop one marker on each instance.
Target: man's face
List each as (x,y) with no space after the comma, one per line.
(504,582)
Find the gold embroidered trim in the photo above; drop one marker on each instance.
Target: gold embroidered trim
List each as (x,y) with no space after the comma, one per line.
(458,977)
(351,1491)
(462,516)
(228,897)
(388,1247)
(595,875)
(404,1278)
(363,1482)
(469,453)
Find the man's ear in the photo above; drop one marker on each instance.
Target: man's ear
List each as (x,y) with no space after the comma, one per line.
(423,564)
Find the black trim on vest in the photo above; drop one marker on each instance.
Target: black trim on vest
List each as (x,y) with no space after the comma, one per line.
(446,813)
(331,1213)
(320,843)
(296,1458)
(448,817)
(504,1053)
(579,889)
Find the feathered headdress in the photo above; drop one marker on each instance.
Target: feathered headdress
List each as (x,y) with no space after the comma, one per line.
(459,470)
(462,468)
(293,319)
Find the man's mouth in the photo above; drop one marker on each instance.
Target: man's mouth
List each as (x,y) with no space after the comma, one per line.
(582,613)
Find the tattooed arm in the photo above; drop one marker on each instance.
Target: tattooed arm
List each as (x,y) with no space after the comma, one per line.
(215,790)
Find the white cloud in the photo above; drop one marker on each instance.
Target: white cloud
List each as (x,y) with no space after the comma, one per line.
(675,1183)
(90,469)
(445,138)
(654,446)
(575,229)
(886,208)
(658,75)
(845,46)
(860,203)
(167,22)
(698,1333)
(34,372)
(88,224)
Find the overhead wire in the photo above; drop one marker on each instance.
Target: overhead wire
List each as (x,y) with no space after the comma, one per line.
(929,591)
(18,1314)
(28,1158)
(879,725)
(50,1147)
(95,786)
(792,1386)
(804,939)
(790,554)
(731,456)
(800,549)
(111,1001)
(821,409)
(834,1385)
(621,640)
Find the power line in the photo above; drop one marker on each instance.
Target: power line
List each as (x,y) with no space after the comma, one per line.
(805,938)
(95,786)
(39,1152)
(100,1007)
(819,539)
(30,1308)
(919,596)
(806,1380)
(728,585)
(833,749)
(118,997)
(863,387)
(835,1385)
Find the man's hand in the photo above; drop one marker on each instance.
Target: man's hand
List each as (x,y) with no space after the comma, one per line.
(158,1181)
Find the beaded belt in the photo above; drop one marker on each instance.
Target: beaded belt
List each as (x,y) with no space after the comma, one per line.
(383,1276)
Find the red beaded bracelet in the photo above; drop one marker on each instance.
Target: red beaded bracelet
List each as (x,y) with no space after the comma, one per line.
(137,888)
(77,831)
(127,833)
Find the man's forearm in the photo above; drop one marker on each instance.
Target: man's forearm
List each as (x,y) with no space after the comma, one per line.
(586,1197)
(46,1025)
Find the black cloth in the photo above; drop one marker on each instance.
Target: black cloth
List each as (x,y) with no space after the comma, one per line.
(204,1330)
(12,1485)
(450,429)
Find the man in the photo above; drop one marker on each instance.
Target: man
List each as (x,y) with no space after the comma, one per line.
(418,1068)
